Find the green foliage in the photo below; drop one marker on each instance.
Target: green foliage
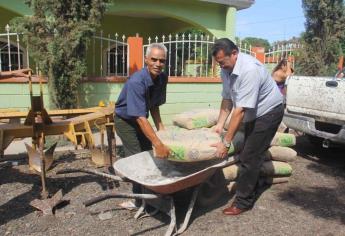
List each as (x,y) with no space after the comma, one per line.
(325,21)
(256,42)
(57,34)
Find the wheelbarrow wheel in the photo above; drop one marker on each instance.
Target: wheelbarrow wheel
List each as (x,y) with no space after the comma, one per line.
(212,190)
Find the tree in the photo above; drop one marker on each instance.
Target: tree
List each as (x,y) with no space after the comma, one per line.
(256,42)
(57,34)
(325,21)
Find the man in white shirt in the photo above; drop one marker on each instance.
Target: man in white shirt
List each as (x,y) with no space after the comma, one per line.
(252,96)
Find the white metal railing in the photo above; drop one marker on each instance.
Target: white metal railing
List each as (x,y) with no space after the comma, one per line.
(113,55)
(245,48)
(112,52)
(13,55)
(190,55)
(279,52)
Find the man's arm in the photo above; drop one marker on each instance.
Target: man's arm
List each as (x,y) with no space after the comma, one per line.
(235,121)
(225,109)
(156,116)
(234,124)
(161,150)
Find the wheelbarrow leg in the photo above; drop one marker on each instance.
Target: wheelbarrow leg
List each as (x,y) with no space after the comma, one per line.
(140,210)
(189,211)
(172,225)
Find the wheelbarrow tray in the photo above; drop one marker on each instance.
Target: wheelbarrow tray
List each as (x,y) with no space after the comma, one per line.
(166,177)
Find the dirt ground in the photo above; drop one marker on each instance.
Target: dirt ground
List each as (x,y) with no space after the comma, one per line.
(311,203)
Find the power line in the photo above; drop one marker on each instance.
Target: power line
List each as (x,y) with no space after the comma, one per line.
(270,21)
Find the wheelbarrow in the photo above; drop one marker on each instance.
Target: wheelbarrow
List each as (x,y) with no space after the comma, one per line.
(160,179)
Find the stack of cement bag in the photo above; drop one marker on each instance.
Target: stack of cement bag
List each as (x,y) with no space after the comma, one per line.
(192,142)
(276,166)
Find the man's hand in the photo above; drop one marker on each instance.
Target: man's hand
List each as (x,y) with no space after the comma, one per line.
(222,151)
(162,151)
(218,128)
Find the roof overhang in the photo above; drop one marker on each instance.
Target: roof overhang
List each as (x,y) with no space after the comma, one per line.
(238,4)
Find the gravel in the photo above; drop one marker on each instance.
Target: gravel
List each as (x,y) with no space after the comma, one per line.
(311,203)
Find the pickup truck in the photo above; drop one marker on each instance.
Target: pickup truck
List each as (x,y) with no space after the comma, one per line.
(316,107)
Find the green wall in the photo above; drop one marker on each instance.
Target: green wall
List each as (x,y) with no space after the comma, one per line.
(145,17)
(217,19)
(180,97)
(208,16)
(16,95)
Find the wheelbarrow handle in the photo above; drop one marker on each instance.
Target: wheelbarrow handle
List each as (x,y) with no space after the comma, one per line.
(120,195)
(91,171)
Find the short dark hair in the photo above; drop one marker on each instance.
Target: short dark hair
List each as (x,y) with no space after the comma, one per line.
(225,45)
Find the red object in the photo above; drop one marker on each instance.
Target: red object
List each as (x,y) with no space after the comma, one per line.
(340,63)
(135,45)
(233,210)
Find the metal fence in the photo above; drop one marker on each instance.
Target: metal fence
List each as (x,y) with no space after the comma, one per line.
(188,55)
(284,51)
(13,55)
(113,55)
(245,48)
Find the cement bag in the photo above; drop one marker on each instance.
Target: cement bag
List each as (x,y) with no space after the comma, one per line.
(269,180)
(230,173)
(277,180)
(283,140)
(237,143)
(197,118)
(282,127)
(269,168)
(190,145)
(275,168)
(278,153)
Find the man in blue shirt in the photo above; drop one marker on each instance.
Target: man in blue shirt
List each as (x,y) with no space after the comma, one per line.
(144,92)
(252,96)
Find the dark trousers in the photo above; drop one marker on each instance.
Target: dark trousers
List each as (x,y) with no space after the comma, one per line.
(133,140)
(258,136)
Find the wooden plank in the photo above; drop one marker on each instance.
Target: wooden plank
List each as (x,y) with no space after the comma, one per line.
(63,112)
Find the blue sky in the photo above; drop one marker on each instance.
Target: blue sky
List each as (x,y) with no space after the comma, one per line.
(271,19)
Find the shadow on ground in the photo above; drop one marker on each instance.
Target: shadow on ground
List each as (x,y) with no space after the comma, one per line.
(19,206)
(321,201)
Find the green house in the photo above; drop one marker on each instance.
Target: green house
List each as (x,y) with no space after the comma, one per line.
(193,78)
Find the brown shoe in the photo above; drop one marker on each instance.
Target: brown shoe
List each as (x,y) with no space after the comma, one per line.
(233,210)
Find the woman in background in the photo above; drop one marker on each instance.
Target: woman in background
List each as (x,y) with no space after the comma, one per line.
(280,74)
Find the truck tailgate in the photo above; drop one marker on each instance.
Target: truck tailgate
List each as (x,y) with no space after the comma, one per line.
(312,97)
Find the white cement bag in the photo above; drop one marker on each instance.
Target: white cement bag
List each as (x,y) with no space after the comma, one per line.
(269,168)
(190,145)
(283,140)
(196,118)
(269,180)
(275,168)
(278,153)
